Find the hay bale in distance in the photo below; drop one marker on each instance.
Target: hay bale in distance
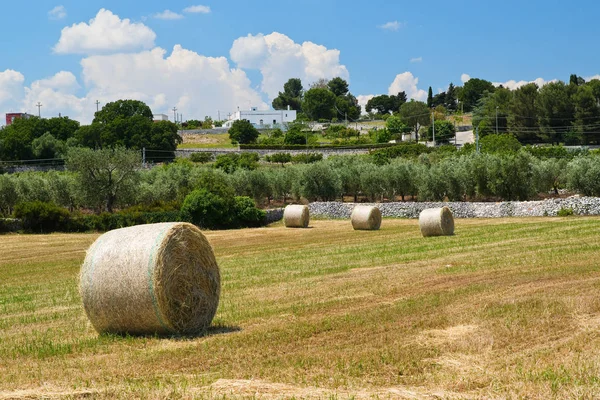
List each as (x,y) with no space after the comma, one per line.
(151,279)
(436,222)
(366,218)
(296,216)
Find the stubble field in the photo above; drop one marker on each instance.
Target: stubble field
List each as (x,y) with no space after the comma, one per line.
(505,308)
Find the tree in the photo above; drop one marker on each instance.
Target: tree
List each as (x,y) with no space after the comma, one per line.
(243,132)
(587,114)
(444,131)
(451,98)
(523,114)
(48,147)
(472,91)
(291,96)
(576,80)
(385,104)
(320,83)
(347,106)
(415,114)
(338,86)
(122,109)
(105,176)
(430,98)
(493,104)
(319,104)
(396,127)
(556,111)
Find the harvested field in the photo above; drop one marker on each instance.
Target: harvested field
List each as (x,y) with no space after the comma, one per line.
(505,308)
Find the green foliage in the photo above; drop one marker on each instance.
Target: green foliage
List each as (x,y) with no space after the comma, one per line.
(583,175)
(8,194)
(319,104)
(380,135)
(556,111)
(523,116)
(340,132)
(231,162)
(122,109)
(396,127)
(306,158)
(208,210)
(202,157)
(499,144)
(415,114)
(385,104)
(246,213)
(105,176)
(444,132)
(243,132)
(291,96)
(406,150)
(296,134)
(565,212)
(318,181)
(48,147)
(473,90)
(281,158)
(41,217)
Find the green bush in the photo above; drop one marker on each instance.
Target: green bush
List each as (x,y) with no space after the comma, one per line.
(243,132)
(306,158)
(246,213)
(565,212)
(207,210)
(202,157)
(280,158)
(40,217)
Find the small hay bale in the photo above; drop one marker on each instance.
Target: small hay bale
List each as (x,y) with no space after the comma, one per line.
(436,222)
(151,279)
(296,216)
(366,218)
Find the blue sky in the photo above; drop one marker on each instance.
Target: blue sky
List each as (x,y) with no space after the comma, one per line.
(379,46)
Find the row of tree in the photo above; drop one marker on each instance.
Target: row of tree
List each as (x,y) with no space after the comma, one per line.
(123,123)
(554,113)
(106,179)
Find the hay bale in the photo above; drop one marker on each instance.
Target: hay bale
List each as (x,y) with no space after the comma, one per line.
(151,279)
(296,216)
(436,222)
(366,218)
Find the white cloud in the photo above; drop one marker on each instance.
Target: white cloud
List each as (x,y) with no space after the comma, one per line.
(391,26)
(416,60)
(465,78)
(197,9)
(58,96)
(591,78)
(11,88)
(106,33)
(512,84)
(279,58)
(407,83)
(58,12)
(363,99)
(197,85)
(168,15)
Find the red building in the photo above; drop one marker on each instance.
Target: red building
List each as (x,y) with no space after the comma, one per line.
(10,117)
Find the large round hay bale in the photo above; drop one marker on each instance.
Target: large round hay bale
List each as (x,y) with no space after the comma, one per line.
(151,279)
(366,218)
(296,216)
(436,222)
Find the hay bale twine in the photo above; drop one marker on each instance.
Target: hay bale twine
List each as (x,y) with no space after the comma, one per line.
(151,279)
(366,218)
(296,216)
(436,222)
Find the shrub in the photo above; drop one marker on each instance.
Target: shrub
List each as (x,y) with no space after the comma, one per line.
(565,212)
(503,143)
(280,158)
(306,158)
(202,157)
(246,213)
(41,217)
(207,210)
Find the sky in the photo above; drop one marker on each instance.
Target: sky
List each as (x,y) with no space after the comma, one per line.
(208,58)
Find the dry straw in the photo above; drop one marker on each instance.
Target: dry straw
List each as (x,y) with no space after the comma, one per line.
(151,279)
(366,218)
(436,222)
(296,216)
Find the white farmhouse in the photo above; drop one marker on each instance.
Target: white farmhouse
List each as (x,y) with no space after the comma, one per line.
(263,118)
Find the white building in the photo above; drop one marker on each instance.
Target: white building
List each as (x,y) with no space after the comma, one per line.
(262,118)
(160,117)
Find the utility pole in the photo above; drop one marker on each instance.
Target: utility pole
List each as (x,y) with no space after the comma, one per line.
(477,139)
(496,120)
(143,157)
(346,116)
(97,105)
(219,114)
(39,106)
(174,114)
